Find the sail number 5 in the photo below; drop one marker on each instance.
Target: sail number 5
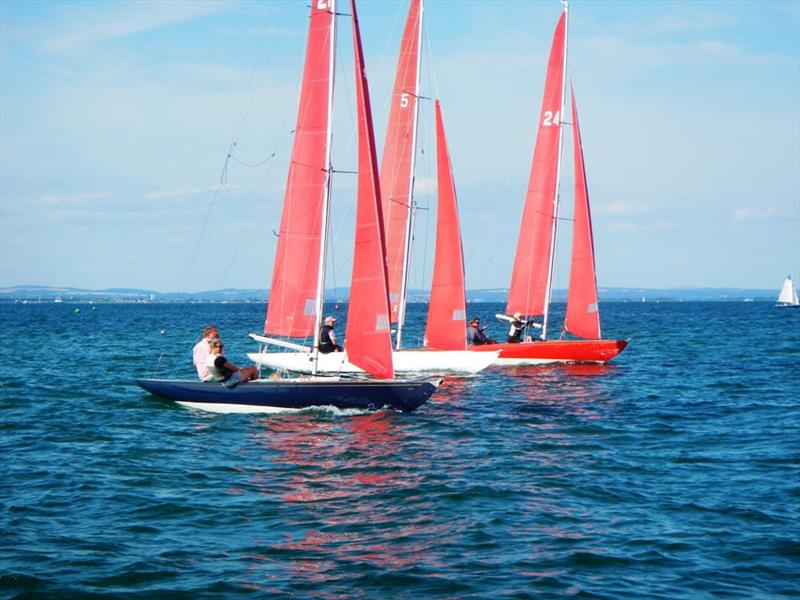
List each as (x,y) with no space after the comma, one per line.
(322,4)
(551,118)
(404,100)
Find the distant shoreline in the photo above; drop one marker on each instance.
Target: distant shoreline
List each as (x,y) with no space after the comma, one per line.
(44,294)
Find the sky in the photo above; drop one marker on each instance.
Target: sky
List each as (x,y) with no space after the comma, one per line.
(116,119)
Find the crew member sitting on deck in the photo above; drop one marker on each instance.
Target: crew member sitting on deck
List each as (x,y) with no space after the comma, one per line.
(475,335)
(517,327)
(225,371)
(327,337)
(201,351)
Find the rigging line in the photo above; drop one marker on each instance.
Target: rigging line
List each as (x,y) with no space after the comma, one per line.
(253,166)
(384,57)
(196,250)
(349,84)
(243,112)
(253,85)
(332,260)
(426,137)
(239,242)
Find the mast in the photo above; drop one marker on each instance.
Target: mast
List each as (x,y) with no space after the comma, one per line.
(412,205)
(397,165)
(326,199)
(529,292)
(549,292)
(368,334)
(297,286)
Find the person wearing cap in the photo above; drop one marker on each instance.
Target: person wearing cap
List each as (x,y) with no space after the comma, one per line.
(327,337)
(201,351)
(517,327)
(476,335)
(224,371)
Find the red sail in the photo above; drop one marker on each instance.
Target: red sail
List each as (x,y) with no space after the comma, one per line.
(582,318)
(447,318)
(530,280)
(368,337)
(292,294)
(397,163)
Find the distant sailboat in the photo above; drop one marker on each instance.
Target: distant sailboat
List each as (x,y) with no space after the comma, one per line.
(788,296)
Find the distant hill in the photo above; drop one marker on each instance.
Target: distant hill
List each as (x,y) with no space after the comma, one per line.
(34,293)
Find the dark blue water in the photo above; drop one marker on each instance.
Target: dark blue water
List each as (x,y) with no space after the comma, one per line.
(672,473)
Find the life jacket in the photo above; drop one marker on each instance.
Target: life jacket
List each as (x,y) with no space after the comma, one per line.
(325,342)
(217,373)
(515,332)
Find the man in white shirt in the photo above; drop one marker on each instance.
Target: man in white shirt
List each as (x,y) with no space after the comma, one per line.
(201,351)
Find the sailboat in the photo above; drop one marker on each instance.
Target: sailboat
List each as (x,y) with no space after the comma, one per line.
(296,309)
(531,280)
(788,296)
(398,208)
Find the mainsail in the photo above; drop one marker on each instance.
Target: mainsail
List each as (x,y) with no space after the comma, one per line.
(447,309)
(530,281)
(294,293)
(368,336)
(397,163)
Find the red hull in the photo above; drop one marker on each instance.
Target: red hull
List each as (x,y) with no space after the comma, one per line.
(578,351)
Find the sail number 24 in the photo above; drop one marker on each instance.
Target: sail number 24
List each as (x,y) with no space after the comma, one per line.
(551,118)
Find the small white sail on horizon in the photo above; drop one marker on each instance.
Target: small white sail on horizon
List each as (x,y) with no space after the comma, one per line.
(788,295)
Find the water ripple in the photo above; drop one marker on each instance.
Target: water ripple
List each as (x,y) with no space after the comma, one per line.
(672,473)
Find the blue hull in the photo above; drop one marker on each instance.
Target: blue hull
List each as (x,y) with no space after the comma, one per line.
(272,395)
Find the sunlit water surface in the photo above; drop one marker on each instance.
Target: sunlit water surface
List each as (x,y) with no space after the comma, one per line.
(674,472)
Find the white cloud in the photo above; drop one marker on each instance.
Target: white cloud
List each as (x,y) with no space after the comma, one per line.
(615,208)
(70,199)
(424,185)
(624,227)
(618,207)
(181,192)
(88,27)
(754,214)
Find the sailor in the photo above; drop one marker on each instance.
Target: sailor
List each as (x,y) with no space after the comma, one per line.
(476,335)
(517,327)
(201,351)
(224,371)
(327,337)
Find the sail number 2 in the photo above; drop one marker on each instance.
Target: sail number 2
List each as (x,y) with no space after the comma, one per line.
(551,118)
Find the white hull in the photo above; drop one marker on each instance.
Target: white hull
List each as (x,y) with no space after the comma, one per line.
(405,361)
(239,408)
(525,362)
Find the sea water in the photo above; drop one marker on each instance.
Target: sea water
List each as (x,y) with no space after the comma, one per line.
(673,472)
